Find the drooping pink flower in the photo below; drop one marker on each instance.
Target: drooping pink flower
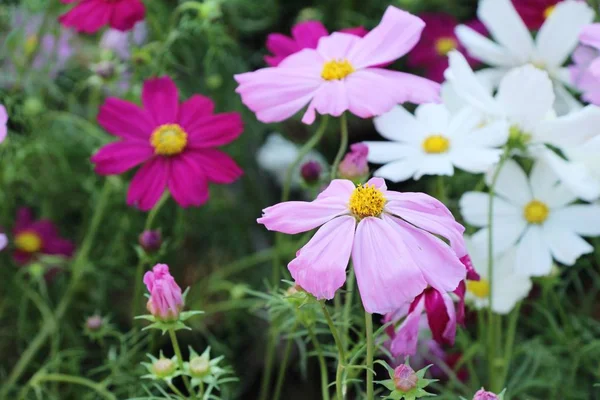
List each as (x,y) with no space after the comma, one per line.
(483,395)
(390,235)
(535,12)
(437,40)
(175,143)
(166,301)
(32,238)
(305,35)
(89,16)
(341,74)
(355,164)
(3,123)
(585,73)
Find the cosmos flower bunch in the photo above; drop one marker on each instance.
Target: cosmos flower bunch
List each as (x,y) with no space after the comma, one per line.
(507,103)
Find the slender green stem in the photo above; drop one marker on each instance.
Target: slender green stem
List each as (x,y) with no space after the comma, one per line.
(370,348)
(322,364)
(510,342)
(269,360)
(350,281)
(341,353)
(343,146)
(154,212)
(441,190)
(283,367)
(77,272)
(177,350)
(76,380)
(175,390)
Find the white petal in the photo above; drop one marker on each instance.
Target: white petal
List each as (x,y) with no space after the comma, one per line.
(565,102)
(435,164)
(572,129)
(506,26)
(492,134)
(385,152)
(583,219)
(512,183)
(463,122)
(505,234)
(435,117)
(475,159)
(546,187)
(399,171)
(399,125)
(559,35)
(566,246)
(474,209)
(509,287)
(526,95)
(533,256)
(484,49)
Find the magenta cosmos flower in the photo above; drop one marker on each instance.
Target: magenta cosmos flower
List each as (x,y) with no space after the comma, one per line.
(175,143)
(32,238)
(166,301)
(305,35)
(437,40)
(341,74)
(390,236)
(89,16)
(535,12)
(585,73)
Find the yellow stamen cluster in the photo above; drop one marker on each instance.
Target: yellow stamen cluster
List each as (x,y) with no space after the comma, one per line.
(536,212)
(445,45)
(548,11)
(366,201)
(480,288)
(336,70)
(436,144)
(29,242)
(168,139)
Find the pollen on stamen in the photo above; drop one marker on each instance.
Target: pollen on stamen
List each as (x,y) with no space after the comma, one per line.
(336,70)
(366,201)
(168,139)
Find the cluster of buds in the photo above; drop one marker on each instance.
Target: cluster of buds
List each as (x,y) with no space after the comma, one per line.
(405,383)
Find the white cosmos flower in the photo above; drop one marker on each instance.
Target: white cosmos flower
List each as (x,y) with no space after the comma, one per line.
(534,214)
(524,99)
(514,45)
(509,286)
(433,142)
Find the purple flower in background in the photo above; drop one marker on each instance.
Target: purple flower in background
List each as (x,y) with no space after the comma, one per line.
(121,42)
(3,127)
(3,241)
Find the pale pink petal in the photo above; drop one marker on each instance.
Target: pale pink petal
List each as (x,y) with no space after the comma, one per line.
(338,188)
(406,338)
(336,46)
(118,157)
(387,275)
(3,115)
(161,100)
(320,266)
(379,183)
(331,98)
(187,182)
(124,119)
(396,34)
(416,201)
(590,35)
(149,183)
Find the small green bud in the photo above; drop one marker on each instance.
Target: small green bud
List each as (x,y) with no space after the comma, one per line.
(33,107)
(200,366)
(163,367)
(214,81)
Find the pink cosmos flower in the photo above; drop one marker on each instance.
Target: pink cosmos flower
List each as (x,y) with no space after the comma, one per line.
(483,395)
(585,73)
(390,235)
(438,39)
(89,16)
(175,143)
(166,301)
(32,238)
(305,35)
(341,74)
(535,12)
(355,164)
(3,123)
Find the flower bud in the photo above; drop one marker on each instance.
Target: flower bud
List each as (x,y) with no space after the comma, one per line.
(214,81)
(354,166)
(200,366)
(483,395)
(94,323)
(311,172)
(163,367)
(166,301)
(150,240)
(33,106)
(405,378)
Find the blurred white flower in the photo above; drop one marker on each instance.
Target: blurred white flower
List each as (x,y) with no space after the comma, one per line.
(278,153)
(510,287)
(524,99)
(433,141)
(514,46)
(534,214)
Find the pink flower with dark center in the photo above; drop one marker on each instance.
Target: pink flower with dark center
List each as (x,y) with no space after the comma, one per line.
(32,238)
(391,237)
(437,40)
(342,74)
(535,12)
(483,395)
(175,144)
(89,16)
(305,35)
(166,301)
(585,73)
(355,164)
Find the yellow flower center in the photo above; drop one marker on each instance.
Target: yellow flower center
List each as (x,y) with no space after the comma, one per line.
(31,44)
(548,11)
(336,70)
(536,212)
(168,139)
(366,201)
(436,144)
(480,288)
(445,45)
(29,242)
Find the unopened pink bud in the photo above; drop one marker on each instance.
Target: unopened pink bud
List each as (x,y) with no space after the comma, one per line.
(311,172)
(405,378)
(150,240)
(354,165)
(166,301)
(483,395)
(94,322)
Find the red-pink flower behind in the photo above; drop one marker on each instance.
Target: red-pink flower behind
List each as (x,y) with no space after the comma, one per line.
(166,301)
(535,12)
(89,16)
(175,144)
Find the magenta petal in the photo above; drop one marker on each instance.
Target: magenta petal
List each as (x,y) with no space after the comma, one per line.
(126,13)
(460,310)
(58,246)
(308,33)
(387,275)
(280,46)
(359,31)
(194,108)
(124,119)
(438,315)
(406,338)
(88,16)
(320,266)
(214,130)
(187,183)
(149,183)
(161,100)
(216,165)
(118,157)
(23,220)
